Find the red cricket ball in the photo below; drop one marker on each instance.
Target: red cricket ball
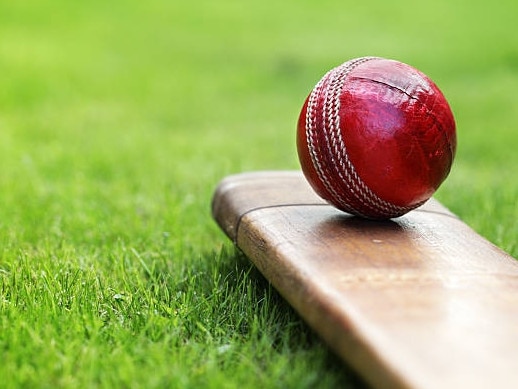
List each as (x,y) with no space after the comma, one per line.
(376,138)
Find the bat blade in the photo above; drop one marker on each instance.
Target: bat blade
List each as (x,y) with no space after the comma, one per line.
(420,301)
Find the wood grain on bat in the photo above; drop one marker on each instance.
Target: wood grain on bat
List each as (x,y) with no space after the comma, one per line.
(421,301)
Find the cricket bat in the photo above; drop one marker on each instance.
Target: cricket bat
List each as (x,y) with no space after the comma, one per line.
(420,301)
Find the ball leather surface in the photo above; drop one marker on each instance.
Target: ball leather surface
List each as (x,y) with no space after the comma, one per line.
(376,137)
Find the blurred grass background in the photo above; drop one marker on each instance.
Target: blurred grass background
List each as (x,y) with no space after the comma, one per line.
(117,120)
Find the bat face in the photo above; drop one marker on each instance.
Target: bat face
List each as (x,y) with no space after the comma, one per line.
(420,301)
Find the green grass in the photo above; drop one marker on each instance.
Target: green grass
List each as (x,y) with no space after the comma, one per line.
(117,119)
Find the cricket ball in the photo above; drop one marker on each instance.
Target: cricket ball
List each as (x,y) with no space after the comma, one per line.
(376,138)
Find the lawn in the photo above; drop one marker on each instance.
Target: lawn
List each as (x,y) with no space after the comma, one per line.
(117,120)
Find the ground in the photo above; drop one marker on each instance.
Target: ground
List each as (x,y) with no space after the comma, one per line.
(117,120)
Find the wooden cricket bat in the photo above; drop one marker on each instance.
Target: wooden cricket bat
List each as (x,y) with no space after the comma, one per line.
(421,301)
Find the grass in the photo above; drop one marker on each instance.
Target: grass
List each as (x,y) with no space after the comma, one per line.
(117,119)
